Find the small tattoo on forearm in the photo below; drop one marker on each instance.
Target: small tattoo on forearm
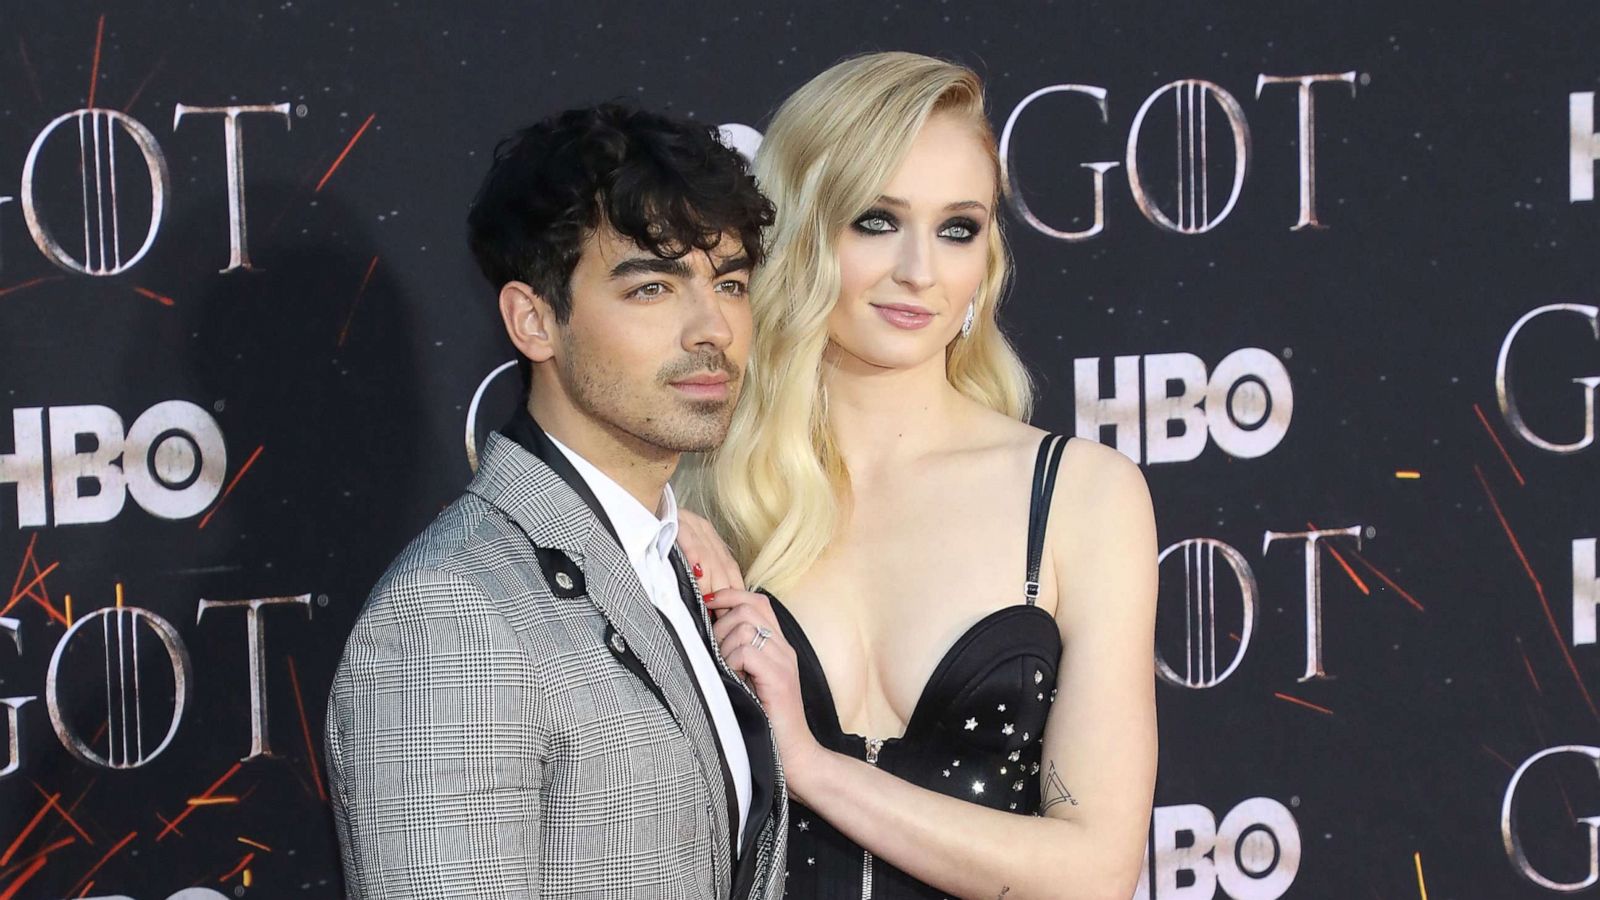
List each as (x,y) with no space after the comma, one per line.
(1003,892)
(1055,791)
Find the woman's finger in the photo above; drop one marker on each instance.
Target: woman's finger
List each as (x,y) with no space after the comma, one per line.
(723,602)
(710,561)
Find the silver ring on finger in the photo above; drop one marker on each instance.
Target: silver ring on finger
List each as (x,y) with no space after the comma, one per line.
(762,634)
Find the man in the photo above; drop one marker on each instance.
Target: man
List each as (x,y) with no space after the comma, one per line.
(531,703)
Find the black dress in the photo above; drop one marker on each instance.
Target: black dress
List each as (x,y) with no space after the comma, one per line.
(975,732)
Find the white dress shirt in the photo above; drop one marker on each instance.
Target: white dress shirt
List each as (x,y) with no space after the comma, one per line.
(647,538)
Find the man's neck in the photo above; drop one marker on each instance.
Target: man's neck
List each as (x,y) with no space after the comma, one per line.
(641,469)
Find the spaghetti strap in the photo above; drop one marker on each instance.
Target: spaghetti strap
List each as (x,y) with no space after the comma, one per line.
(1045,465)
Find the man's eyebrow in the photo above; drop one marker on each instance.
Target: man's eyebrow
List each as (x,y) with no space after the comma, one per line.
(735,264)
(647,265)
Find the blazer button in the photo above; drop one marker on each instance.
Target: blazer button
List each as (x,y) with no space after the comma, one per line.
(564,581)
(618,644)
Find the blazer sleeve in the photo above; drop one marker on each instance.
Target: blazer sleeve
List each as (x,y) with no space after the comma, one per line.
(435,744)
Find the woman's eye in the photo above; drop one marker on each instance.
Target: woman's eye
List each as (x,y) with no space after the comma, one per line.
(874,223)
(959,231)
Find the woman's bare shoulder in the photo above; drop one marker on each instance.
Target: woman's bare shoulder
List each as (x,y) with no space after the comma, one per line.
(1101,495)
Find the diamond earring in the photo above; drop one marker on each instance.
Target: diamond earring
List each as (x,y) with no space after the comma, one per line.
(966,324)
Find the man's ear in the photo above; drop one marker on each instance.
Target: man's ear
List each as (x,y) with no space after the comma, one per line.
(530,321)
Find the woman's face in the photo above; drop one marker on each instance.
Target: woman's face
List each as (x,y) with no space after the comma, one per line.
(910,265)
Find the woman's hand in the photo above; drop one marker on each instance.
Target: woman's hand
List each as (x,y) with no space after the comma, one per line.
(753,645)
(710,560)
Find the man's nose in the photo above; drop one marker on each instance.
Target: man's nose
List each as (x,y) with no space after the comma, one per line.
(708,325)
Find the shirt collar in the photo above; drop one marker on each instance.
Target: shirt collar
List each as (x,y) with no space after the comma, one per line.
(641,532)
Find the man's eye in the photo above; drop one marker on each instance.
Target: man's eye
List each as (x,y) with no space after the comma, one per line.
(733,286)
(648,291)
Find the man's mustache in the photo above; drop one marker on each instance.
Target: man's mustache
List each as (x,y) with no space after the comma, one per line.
(700,365)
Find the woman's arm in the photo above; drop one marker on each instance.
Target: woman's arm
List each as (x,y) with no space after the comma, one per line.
(1097,775)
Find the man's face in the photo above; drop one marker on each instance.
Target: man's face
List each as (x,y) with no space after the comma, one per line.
(655,348)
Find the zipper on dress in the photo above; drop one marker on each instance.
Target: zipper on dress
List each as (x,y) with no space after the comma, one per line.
(873,746)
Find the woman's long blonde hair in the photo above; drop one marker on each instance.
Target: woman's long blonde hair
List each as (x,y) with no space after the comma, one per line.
(778,485)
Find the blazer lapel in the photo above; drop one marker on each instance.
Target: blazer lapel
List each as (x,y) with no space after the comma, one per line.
(554,515)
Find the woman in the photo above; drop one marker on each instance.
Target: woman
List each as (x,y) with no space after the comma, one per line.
(933,553)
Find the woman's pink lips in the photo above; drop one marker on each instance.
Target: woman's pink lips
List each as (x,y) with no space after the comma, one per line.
(909,318)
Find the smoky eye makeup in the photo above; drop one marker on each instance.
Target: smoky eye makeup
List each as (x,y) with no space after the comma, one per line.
(875,221)
(960,229)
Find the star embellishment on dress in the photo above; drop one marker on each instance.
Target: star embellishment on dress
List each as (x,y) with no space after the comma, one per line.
(977,787)
(972,724)
(1007,729)
(804,825)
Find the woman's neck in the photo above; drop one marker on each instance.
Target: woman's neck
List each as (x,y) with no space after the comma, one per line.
(883,417)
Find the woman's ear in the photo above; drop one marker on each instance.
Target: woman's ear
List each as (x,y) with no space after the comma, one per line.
(530,321)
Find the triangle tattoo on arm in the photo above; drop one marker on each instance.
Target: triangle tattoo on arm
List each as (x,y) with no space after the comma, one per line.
(1055,791)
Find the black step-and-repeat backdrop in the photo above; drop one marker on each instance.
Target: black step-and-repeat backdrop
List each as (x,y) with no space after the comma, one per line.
(1327,272)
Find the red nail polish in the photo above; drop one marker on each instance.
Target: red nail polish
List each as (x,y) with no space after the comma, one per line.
(710,596)
(698,572)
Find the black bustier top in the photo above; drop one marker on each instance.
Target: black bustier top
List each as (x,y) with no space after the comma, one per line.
(975,732)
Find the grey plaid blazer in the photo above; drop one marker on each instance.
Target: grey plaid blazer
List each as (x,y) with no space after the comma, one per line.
(491,734)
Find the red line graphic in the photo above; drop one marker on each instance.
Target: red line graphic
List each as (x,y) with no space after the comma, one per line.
(1389,582)
(66,814)
(305,728)
(41,596)
(238,868)
(94,71)
(30,283)
(1503,761)
(28,829)
(1306,703)
(41,852)
(109,853)
(27,588)
(162,299)
(22,879)
(229,489)
(1502,447)
(191,807)
(329,174)
(1529,666)
(357,301)
(140,89)
(1555,630)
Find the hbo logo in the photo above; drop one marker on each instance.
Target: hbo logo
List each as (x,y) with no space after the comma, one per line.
(172,461)
(1253,854)
(1244,404)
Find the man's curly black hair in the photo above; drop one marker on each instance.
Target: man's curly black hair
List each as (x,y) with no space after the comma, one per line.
(666,184)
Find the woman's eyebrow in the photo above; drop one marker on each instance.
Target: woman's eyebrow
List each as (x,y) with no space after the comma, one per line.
(887,200)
